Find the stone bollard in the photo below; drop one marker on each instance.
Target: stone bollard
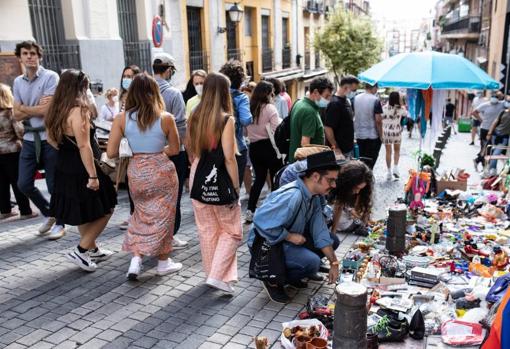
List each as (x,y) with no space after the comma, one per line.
(350,326)
(396,237)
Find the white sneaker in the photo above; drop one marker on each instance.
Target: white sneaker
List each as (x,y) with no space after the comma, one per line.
(81,259)
(101,254)
(46,226)
(220,285)
(124,225)
(167,267)
(56,232)
(135,268)
(396,172)
(389,176)
(248,216)
(178,244)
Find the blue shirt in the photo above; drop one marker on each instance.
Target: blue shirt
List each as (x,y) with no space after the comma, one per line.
(29,92)
(272,220)
(242,115)
(152,140)
(174,104)
(292,172)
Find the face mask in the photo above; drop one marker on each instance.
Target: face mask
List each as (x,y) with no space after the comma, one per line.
(494,100)
(351,95)
(507,104)
(322,103)
(126,82)
(115,99)
(199,89)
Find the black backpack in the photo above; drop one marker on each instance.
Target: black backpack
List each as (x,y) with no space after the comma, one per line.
(282,133)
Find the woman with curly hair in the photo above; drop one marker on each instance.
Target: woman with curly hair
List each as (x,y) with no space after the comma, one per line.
(352,198)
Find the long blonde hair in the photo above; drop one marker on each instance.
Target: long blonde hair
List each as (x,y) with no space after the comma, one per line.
(6,98)
(144,97)
(206,121)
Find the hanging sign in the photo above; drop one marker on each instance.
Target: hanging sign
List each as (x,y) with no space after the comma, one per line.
(157,31)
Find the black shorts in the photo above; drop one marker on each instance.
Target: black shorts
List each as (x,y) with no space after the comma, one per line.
(475,123)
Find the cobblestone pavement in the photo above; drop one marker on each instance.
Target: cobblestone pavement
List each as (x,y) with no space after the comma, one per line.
(46,302)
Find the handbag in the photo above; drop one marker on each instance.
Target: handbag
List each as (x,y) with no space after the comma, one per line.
(268,261)
(212,184)
(100,158)
(125,149)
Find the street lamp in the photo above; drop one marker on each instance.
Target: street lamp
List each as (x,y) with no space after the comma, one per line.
(235,13)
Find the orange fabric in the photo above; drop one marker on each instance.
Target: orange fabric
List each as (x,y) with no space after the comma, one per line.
(220,233)
(153,185)
(427,97)
(494,339)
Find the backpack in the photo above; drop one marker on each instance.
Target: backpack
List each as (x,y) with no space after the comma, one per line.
(282,133)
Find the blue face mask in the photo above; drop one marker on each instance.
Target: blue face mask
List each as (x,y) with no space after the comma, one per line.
(126,82)
(322,103)
(507,104)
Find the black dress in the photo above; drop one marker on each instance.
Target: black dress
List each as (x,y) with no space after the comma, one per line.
(72,202)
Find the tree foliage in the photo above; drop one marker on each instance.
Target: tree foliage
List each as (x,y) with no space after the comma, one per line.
(348,43)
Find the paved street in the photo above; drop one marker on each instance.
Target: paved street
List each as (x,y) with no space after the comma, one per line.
(46,302)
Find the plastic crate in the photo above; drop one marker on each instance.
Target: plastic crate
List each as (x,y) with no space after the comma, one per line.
(464,125)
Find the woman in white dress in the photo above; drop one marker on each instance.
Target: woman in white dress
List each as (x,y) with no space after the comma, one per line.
(393,114)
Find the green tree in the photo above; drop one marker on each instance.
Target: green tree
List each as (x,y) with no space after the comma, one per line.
(348,43)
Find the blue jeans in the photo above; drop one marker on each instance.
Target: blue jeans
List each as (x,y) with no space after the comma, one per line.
(28,166)
(181,167)
(498,140)
(305,260)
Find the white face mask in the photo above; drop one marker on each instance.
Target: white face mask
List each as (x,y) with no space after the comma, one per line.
(507,104)
(494,100)
(199,89)
(115,99)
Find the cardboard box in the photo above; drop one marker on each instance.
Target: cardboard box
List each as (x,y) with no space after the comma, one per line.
(450,184)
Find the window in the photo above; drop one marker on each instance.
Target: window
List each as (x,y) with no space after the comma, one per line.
(285,31)
(48,28)
(248,13)
(135,51)
(197,57)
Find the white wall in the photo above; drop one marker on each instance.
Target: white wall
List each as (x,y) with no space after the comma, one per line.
(14,23)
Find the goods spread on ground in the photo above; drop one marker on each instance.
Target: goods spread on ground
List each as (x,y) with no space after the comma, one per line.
(436,268)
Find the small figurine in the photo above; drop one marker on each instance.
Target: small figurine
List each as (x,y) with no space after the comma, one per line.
(417,203)
(500,258)
(261,342)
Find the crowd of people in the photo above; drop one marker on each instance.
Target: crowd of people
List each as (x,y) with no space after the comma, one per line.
(210,138)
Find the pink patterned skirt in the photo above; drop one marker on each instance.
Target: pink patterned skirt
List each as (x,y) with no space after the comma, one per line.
(153,187)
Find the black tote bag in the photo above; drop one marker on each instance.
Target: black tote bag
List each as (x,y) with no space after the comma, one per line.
(212,184)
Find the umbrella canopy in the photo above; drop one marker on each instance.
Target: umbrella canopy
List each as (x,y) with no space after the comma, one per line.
(421,70)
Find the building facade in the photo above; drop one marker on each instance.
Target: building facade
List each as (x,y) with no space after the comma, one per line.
(464,29)
(273,39)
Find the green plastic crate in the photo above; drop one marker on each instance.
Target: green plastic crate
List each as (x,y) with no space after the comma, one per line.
(464,125)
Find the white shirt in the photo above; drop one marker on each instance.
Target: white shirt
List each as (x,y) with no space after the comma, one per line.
(107,113)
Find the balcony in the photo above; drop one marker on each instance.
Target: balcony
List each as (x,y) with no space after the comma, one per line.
(307,60)
(314,6)
(267,60)
(467,27)
(317,60)
(198,60)
(235,54)
(286,60)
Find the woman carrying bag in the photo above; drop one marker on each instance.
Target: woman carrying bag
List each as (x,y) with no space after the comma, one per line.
(214,181)
(263,155)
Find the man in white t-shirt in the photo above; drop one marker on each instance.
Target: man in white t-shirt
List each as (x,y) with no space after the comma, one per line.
(486,113)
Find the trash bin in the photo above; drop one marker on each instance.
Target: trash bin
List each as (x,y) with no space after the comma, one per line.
(464,125)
